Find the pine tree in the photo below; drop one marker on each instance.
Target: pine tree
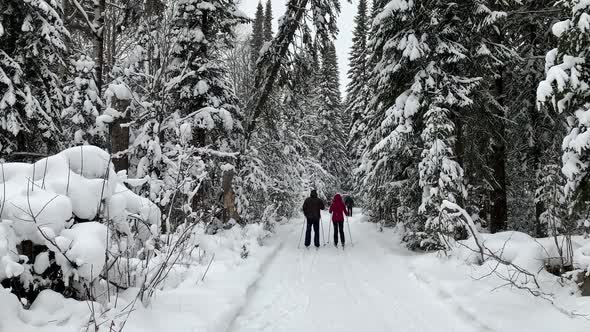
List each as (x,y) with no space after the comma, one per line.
(357,91)
(418,92)
(565,90)
(257,39)
(274,58)
(441,177)
(267,26)
(207,120)
(332,118)
(540,131)
(491,58)
(32,47)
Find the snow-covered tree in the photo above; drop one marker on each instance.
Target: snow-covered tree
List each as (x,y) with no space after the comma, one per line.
(566,89)
(419,85)
(357,92)
(332,118)
(207,117)
(32,47)
(441,177)
(300,16)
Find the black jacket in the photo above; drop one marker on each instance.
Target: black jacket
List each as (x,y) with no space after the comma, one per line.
(348,201)
(312,206)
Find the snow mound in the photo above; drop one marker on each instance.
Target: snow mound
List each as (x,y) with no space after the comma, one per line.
(40,201)
(582,258)
(81,251)
(50,312)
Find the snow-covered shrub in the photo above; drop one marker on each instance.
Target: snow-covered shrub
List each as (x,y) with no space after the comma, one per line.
(441,177)
(82,101)
(61,215)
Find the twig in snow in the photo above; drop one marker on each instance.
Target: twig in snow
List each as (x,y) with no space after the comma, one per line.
(4,191)
(44,173)
(208,266)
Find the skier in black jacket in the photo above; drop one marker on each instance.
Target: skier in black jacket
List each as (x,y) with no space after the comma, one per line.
(349,204)
(311,210)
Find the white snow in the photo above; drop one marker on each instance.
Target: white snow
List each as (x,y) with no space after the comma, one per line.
(83,245)
(186,133)
(41,262)
(227,167)
(560,27)
(378,285)
(375,284)
(120,91)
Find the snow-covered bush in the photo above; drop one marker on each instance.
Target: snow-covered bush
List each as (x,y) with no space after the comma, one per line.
(82,101)
(61,216)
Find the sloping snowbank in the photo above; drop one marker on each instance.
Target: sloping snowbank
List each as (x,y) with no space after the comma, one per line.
(486,300)
(495,295)
(186,302)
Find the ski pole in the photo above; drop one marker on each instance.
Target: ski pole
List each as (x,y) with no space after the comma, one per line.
(329,228)
(301,236)
(323,233)
(349,234)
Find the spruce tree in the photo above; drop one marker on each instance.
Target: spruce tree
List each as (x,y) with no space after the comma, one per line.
(267,26)
(418,92)
(300,16)
(565,90)
(535,135)
(257,39)
(32,47)
(332,118)
(357,91)
(207,120)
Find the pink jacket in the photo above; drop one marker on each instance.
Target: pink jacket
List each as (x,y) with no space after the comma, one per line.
(337,208)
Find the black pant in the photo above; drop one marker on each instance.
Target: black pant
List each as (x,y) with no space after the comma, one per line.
(315,223)
(338,228)
(349,210)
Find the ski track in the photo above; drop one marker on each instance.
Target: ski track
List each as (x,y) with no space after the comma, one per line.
(366,287)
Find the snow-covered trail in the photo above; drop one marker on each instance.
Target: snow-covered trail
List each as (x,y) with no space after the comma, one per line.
(367,287)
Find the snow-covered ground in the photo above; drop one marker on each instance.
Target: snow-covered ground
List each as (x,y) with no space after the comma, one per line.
(187,302)
(208,305)
(377,285)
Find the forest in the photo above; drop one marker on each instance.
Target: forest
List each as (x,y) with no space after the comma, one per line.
(133,132)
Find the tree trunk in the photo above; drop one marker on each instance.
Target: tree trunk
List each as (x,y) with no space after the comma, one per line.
(459,150)
(499,200)
(229,197)
(120,136)
(268,69)
(99,9)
